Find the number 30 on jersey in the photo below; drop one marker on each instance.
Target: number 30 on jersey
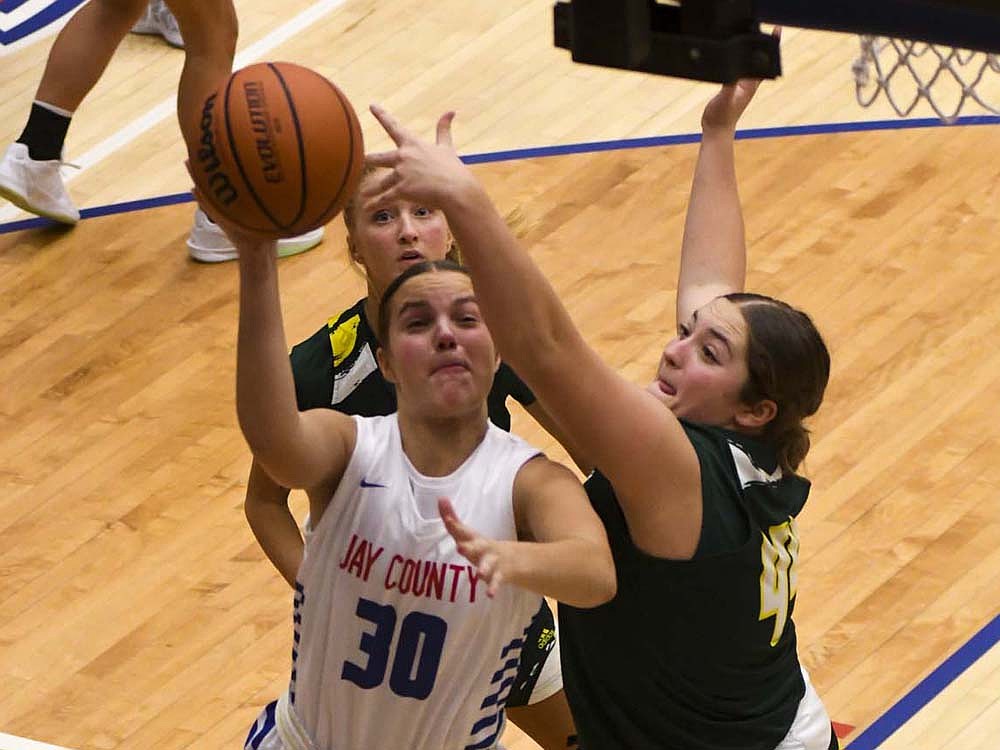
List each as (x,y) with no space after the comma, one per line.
(779,553)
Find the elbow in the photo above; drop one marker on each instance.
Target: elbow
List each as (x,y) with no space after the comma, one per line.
(254,433)
(604,583)
(609,586)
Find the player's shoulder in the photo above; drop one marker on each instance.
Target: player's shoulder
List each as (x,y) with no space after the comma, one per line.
(503,439)
(337,339)
(349,332)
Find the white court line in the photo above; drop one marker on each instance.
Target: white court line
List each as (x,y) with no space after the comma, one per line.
(168,107)
(10,742)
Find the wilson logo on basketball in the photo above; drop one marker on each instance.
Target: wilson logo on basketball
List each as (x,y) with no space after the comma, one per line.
(218,182)
(260,123)
(278,151)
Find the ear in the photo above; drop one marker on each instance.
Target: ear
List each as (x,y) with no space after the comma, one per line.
(756,416)
(496,364)
(352,250)
(385,364)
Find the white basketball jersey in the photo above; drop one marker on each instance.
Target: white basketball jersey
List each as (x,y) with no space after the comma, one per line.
(396,642)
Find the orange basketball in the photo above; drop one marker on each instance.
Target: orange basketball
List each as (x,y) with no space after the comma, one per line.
(280,149)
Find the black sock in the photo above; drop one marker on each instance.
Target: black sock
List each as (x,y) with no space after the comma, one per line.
(45,133)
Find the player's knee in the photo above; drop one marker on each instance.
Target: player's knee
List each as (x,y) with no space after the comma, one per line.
(209,27)
(126,10)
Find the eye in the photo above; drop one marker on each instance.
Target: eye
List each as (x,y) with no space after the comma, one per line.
(709,354)
(467,316)
(382,217)
(414,324)
(683,331)
(422,212)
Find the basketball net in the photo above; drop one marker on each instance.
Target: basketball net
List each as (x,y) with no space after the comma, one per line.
(909,71)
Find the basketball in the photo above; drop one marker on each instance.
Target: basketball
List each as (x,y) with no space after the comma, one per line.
(280,150)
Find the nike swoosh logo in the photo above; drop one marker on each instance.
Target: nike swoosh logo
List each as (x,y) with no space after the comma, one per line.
(365,483)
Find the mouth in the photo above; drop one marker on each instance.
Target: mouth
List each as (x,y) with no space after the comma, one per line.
(410,256)
(666,387)
(450,367)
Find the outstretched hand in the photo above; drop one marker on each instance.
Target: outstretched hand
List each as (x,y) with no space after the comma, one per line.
(421,171)
(724,110)
(490,556)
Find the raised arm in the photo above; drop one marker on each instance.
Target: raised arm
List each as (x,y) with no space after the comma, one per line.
(562,550)
(547,422)
(713,253)
(298,449)
(629,435)
(272,523)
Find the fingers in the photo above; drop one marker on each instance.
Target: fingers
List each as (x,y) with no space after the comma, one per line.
(387,159)
(444,130)
(487,569)
(380,183)
(206,207)
(397,132)
(461,533)
(473,547)
(446,510)
(494,586)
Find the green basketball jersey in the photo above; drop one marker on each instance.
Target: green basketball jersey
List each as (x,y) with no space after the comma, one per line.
(696,654)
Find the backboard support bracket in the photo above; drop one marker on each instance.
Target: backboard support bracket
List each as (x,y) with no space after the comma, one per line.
(703,40)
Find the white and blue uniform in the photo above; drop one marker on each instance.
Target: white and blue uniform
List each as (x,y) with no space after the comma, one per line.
(396,642)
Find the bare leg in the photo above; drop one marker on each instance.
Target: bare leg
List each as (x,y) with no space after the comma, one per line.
(83,49)
(549,723)
(209,28)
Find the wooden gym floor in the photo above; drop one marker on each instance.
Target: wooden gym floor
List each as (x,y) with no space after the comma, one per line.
(136,611)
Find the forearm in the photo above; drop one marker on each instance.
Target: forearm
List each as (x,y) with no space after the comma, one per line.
(265,390)
(578,572)
(713,252)
(272,523)
(509,287)
(277,532)
(541,415)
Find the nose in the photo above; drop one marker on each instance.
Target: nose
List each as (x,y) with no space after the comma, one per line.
(444,335)
(673,353)
(407,229)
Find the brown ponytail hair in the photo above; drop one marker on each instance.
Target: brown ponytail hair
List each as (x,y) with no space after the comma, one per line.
(788,363)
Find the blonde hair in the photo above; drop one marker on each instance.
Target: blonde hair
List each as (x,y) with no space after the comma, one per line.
(454,254)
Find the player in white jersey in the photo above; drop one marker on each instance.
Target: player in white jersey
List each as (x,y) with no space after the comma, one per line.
(407,620)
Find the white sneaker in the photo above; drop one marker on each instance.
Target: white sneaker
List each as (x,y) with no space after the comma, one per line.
(209,244)
(35,186)
(158,20)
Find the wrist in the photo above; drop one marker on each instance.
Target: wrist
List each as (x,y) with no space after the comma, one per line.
(465,195)
(717,132)
(513,561)
(257,257)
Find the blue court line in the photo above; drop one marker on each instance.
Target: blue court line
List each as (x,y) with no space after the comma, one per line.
(572,148)
(746,134)
(91,213)
(47,15)
(957,663)
(883,727)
